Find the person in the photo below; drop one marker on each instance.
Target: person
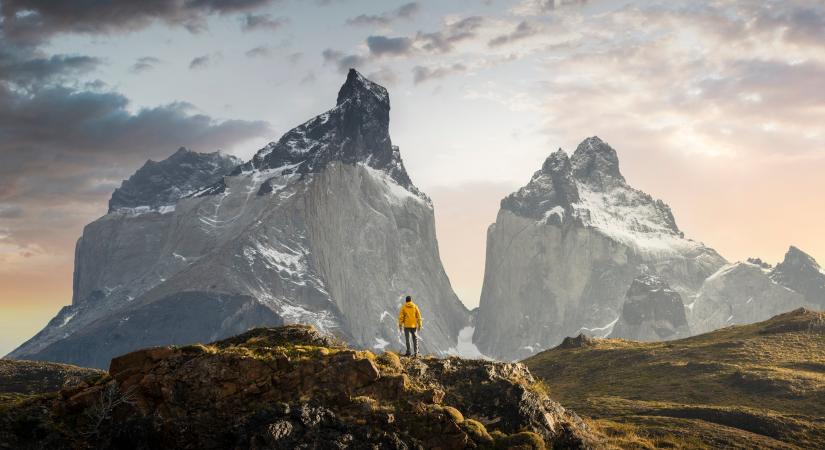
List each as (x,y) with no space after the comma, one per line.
(409,319)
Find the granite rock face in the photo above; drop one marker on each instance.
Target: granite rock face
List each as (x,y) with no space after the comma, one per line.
(566,248)
(652,311)
(323,227)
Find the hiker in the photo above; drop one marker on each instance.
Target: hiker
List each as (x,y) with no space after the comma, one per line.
(409,319)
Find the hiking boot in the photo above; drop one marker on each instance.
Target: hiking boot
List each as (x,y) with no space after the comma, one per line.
(406,354)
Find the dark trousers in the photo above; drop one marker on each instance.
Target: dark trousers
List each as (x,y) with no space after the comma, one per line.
(407,333)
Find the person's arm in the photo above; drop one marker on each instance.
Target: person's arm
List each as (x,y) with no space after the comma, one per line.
(418,317)
(401,319)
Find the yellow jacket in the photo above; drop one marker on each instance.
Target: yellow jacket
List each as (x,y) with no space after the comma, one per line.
(409,316)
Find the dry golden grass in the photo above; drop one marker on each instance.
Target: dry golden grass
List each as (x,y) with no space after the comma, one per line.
(753,386)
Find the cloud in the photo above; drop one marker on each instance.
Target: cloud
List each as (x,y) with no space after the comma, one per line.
(342,62)
(35,20)
(251,22)
(451,34)
(405,11)
(144,64)
(16,65)
(537,7)
(385,76)
(204,61)
(382,45)
(260,51)
(66,144)
(523,30)
(441,41)
(802,23)
(422,74)
(10,212)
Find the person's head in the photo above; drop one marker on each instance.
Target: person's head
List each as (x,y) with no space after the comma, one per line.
(409,298)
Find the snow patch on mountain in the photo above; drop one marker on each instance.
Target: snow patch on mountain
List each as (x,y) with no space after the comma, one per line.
(603,331)
(464,347)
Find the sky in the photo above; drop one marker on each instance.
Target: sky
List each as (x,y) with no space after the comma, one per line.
(716,107)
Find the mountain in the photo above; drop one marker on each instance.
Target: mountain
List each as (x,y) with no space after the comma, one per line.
(744,386)
(652,311)
(293,387)
(159,185)
(740,293)
(322,227)
(799,271)
(565,249)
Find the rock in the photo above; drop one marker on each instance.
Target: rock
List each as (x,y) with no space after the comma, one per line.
(800,272)
(279,430)
(652,312)
(579,341)
(193,398)
(162,184)
(564,251)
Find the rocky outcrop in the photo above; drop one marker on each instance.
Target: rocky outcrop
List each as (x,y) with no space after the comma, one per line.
(322,227)
(652,311)
(566,247)
(293,387)
(740,293)
(161,184)
(800,272)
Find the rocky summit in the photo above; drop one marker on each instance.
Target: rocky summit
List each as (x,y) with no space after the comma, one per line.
(321,227)
(566,247)
(161,184)
(292,387)
(800,272)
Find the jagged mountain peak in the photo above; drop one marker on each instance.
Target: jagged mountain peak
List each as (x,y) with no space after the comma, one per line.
(360,89)
(795,257)
(557,162)
(800,272)
(355,131)
(161,183)
(596,163)
(550,193)
(587,188)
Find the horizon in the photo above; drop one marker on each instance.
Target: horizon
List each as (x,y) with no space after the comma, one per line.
(736,146)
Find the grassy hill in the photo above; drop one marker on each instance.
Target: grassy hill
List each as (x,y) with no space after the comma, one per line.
(752,386)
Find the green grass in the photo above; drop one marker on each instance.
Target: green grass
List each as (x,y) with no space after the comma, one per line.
(760,385)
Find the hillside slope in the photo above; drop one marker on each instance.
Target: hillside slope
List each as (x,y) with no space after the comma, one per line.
(750,386)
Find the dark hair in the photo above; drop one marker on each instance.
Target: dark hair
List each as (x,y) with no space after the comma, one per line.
(409,298)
